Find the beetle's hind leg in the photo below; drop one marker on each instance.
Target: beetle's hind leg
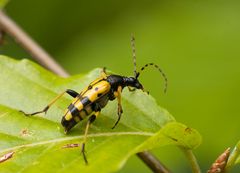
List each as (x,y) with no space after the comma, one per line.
(68,91)
(90,121)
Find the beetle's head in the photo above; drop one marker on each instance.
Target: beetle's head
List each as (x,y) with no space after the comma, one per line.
(133,82)
(68,124)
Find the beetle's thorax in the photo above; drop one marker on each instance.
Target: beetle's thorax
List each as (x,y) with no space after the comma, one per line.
(116,81)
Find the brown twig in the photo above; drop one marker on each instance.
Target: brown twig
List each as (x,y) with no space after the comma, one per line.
(12,29)
(152,162)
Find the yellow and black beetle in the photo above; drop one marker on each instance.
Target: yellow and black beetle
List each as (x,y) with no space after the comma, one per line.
(96,96)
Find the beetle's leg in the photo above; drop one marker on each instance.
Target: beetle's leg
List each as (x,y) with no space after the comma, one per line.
(68,91)
(104,70)
(90,121)
(131,89)
(103,73)
(145,91)
(120,111)
(72,93)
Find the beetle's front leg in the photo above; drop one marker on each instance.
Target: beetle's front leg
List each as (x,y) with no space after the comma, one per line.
(119,99)
(103,73)
(131,89)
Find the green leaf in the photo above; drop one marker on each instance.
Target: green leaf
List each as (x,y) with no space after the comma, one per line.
(38,141)
(237,151)
(173,133)
(3,3)
(234,157)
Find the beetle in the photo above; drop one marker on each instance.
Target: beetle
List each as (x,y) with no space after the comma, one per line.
(96,95)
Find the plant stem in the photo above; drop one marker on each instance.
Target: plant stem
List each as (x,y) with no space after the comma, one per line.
(39,54)
(152,162)
(192,159)
(11,28)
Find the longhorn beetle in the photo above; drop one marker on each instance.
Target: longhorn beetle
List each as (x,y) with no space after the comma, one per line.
(96,95)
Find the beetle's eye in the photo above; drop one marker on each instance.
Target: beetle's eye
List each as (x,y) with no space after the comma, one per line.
(138,85)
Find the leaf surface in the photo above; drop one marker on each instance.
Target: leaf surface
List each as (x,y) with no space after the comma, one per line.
(38,142)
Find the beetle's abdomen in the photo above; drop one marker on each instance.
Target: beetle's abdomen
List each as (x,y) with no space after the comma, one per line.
(78,109)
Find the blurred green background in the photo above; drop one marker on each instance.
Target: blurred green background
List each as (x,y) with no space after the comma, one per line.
(196,43)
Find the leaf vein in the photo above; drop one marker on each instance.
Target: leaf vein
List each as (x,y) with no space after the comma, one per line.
(77,137)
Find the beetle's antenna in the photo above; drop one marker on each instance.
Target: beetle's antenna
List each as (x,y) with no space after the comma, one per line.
(160,70)
(134,55)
